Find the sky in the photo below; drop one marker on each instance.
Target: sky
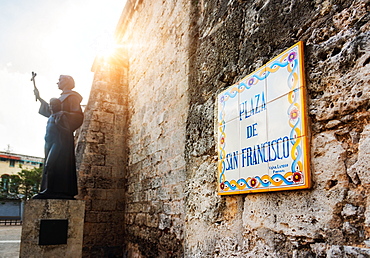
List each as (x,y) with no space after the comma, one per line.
(50,38)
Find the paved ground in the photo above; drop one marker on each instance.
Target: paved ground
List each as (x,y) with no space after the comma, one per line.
(10,240)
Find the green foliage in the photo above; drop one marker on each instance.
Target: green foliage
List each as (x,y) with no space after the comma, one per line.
(4,186)
(24,185)
(14,184)
(30,182)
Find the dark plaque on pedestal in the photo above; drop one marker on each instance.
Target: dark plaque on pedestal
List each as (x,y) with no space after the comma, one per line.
(53,232)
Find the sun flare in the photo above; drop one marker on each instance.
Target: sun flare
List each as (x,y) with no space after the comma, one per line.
(105,46)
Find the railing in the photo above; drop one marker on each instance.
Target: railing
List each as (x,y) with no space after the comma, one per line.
(7,221)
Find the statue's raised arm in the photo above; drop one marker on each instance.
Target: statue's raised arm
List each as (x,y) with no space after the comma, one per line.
(44,107)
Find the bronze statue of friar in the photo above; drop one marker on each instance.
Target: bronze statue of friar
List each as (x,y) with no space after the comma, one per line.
(59,179)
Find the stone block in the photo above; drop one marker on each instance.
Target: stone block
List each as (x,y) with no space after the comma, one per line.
(177,162)
(106,217)
(164,221)
(152,220)
(103,117)
(359,171)
(94,159)
(94,126)
(102,171)
(112,160)
(156,207)
(36,211)
(337,251)
(86,182)
(163,193)
(175,177)
(134,207)
(95,148)
(106,128)
(120,205)
(103,205)
(118,172)
(102,182)
(97,194)
(94,137)
(91,216)
(113,194)
(140,219)
(178,192)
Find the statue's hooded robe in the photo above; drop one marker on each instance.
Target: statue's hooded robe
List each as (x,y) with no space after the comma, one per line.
(59,179)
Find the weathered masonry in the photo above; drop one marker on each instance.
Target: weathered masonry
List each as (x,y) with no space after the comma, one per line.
(147,152)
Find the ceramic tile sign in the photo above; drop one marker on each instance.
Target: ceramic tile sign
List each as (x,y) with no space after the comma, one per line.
(262,129)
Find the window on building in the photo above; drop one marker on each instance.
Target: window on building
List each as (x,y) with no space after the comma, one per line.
(12,163)
(5,183)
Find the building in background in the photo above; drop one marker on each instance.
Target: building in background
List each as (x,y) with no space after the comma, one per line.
(12,163)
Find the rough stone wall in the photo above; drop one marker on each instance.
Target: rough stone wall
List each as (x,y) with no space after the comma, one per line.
(181,55)
(232,39)
(156,38)
(102,158)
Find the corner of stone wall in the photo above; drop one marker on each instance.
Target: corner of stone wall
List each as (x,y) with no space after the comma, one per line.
(101,158)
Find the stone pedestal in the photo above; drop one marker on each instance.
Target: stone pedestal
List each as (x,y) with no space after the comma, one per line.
(52,228)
